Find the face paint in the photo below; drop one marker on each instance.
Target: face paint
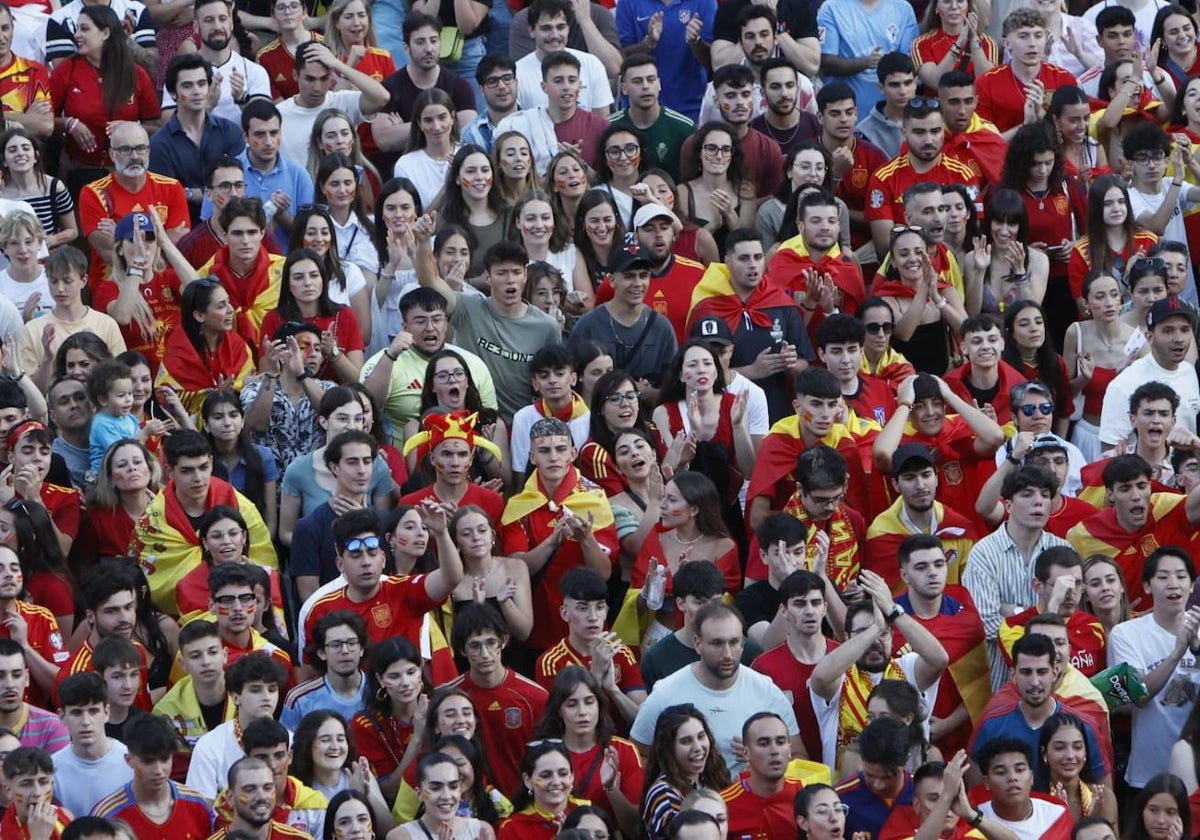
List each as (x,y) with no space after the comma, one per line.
(808,416)
(402,540)
(223,610)
(243,799)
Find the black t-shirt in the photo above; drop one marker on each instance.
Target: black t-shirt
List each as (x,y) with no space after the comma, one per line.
(982,396)
(796,17)
(213,714)
(749,340)
(758,602)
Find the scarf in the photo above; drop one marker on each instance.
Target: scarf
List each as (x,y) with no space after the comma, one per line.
(253,295)
(578,495)
(842,562)
(193,375)
(852,706)
(576,409)
(715,295)
(897,289)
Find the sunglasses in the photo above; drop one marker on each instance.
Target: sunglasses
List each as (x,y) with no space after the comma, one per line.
(1043,408)
(1151,263)
(875,328)
(358,544)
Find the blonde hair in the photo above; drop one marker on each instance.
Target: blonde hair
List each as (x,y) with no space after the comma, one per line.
(18,222)
(103,493)
(333,38)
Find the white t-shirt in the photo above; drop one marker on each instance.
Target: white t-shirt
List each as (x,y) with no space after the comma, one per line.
(298,121)
(427,174)
(1045,814)
(1114,415)
(1143,18)
(80,783)
(258,83)
(1141,203)
(19,292)
(355,283)
(595,91)
(213,755)
(1143,644)
(354,245)
(523,421)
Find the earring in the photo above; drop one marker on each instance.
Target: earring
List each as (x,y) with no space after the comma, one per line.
(381,694)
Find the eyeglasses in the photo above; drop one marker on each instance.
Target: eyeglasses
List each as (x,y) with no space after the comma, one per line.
(305,208)
(622,397)
(827,501)
(502,79)
(358,544)
(1045,408)
(629,150)
(827,811)
(229,186)
(713,150)
(343,644)
(875,328)
(444,376)
(288,8)
(1149,157)
(245,599)
(126,151)
(482,646)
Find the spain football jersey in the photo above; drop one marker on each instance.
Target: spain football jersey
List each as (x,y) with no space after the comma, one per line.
(1002,95)
(754,817)
(81,660)
(885,196)
(191,817)
(852,189)
(891,528)
(628,677)
(397,609)
(22,83)
(669,293)
(162,295)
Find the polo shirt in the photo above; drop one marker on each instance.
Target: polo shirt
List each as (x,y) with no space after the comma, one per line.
(684,77)
(60,28)
(849,28)
(172,152)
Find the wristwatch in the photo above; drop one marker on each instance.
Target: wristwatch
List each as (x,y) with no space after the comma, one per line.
(896,612)
(976,820)
(333,354)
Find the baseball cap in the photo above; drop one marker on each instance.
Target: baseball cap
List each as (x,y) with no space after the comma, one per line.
(125,227)
(713,330)
(1168,306)
(649,212)
(629,258)
(1048,440)
(906,454)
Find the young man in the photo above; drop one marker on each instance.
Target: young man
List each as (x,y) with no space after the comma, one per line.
(255,683)
(968,136)
(296,804)
(119,664)
(841,681)
(782,542)
(855,37)
(883,786)
(155,807)
(985,379)
(1058,582)
(223,180)
(760,802)
(897,84)
(1011,95)
(70,413)
(496,75)
(663,128)
(37,631)
(198,703)
(339,641)
(36,727)
(1007,767)
(1154,437)
(29,779)
(942,805)
(916,511)
(549,22)
(162,541)
(509,705)
(553,374)
(1118,36)
(94,764)
(452,440)
(589,645)
(854,159)
(839,341)
(694,585)
(789,99)
(233,602)
(1141,26)
(560,521)
(254,795)
(278,57)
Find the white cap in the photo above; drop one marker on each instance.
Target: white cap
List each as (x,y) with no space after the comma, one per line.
(648,212)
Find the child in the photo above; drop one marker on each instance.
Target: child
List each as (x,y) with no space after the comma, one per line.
(110,388)
(29,772)
(93,766)
(119,664)
(553,374)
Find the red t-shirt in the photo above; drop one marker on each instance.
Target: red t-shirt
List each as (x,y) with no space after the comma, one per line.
(112,531)
(396,610)
(669,293)
(162,294)
(1002,96)
(868,158)
(64,507)
(52,591)
(874,400)
(380,739)
(791,676)
(77,92)
(588,784)
(191,818)
(489,500)
(345,327)
(1057,216)
(885,193)
(751,817)
(1068,516)
(81,660)
(628,676)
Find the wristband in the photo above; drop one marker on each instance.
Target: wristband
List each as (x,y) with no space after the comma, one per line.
(395,358)
(303,376)
(1016,462)
(905,404)
(942,304)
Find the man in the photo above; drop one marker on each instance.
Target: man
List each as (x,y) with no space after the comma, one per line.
(841,681)
(395,376)
(925,206)
(883,787)
(1058,582)
(1034,413)
(505,329)
(197,703)
(34,726)
(942,805)
(34,628)
(278,57)
(924,132)
(694,585)
(1047,452)
(762,162)
(1007,767)
(391,605)
(770,344)
(255,682)
(680,43)
(509,705)
(1118,36)
(854,159)
(1161,647)
(253,787)
(760,802)
(24,86)
(593,31)
(897,84)
(549,22)
(317,72)
(1136,522)
(496,75)
(561,119)
(131,187)
(840,341)
(968,136)
(854,39)
(552,372)
(782,542)
(135,18)
(1152,411)
(916,511)
(718,686)
(119,664)
(29,779)
(560,521)
(93,764)
(985,379)
(223,180)
(673,279)
(663,129)
(232,601)
(177,811)
(795,32)
(452,440)
(1143,13)
(789,99)
(70,412)
(169,551)
(339,640)
(296,803)
(1014,94)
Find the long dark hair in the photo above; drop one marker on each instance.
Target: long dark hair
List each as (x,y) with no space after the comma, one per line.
(339,799)
(390,650)
(1006,205)
(288,308)
(39,160)
(603,171)
(197,296)
(662,752)
(306,738)
(598,430)
(428,98)
(452,209)
(583,244)
(1177,119)
(116,59)
(37,544)
(565,682)
(673,389)
(255,486)
(1033,139)
(331,263)
(736,160)
(210,518)
(1088,774)
(699,491)
(524,797)
(379,230)
(331,163)
(972,228)
(1160,23)
(1098,253)
(471,399)
(90,343)
(560,234)
(1169,784)
(476,796)
(1047,358)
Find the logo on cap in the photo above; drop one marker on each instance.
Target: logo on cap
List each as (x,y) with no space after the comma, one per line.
(708,328)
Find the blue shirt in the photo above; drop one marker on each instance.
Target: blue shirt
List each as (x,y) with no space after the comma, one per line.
(867,811)
(107,430)
(684,78)
(293,180)
(270,469)
(317,693)
(481,131)
(313,552)
(173,153)
(1014,725)
(849,29)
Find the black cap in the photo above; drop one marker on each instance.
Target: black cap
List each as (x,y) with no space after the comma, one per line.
(1168,306)
(909,452)
(713,330)
(629,258)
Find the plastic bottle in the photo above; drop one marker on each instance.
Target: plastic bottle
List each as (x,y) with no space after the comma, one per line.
(656,586)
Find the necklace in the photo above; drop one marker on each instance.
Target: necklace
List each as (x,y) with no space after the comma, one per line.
(675,536)
(782,141)
(1040,195)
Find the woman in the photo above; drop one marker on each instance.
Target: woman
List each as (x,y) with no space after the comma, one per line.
(533,224)
(615,407)
(397,207)
(714,192)
(545,799)
(1073,41)
(407,541)
(512,161)
(566,181)
(591,361)
(207,354)
(375,425)
(432,144)
(1160,811)
(1175,32)
(78,354)
(304,296)
(500,581)
(479,799)
(590,822)
(599,232)
(337,185)
(691,240)
(223,539)
(682,756)
(313,228)
(607,769)
(471,200)
(350,35)
(928,311)
(150,403)
(1000,270)
(1104,591)
(1064,770)
(103,52)
(26,528)
(1147,281)
(620,168)
(1070,109)
(821,814)
(898,700)
(129,478)
(806,165)
(951,40)
(388,734)
(325,759)
(25,179)
(348,817)
(333,131)
(962,225)
(1186,118)
(1027,348)
(441,793)
(546,290)
(249,467)
(637,507)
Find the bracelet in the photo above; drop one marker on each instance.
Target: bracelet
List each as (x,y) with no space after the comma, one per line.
(70,124)
(808,308)
(1178,184)
(392,358)
(303,376)
(17,378)
(942,304)
(274,377)
(904,404)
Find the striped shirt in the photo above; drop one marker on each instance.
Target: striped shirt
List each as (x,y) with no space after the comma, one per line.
(317,693)
(40,728)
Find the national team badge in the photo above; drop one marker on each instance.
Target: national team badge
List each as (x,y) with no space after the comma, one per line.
(512,717)
(952,472)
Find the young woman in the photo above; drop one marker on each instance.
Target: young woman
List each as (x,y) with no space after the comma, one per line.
(683,756)
(1147,282)
(533,224)
(1062,770)
(546,289)
(599,233)
(591,362)
(615,407)
(325,759)
(691,240)
(479,799)
(337,185)
(566,181)
(589,822)
(348,817)
(1160,811)
(821,814)
(962,225)
(806,165)
(1104,591)
(346,286)
(471,200)
(440,792)
(25,179)
(333,131)
(879,359)
(1028,349)
(620,168)
(951,40)
(397,207)
(1175,32)
(78,354)
(26,528)
(304,296)
(896,699)
(1000,269)
(608,770)
(432,144)
(512,161)
(714,192)
(500,581)
(545,799)
(1070,109)
(150,403)
(223,539)
(129,478)
(350,35)
(928,311)
(207,353)
(249,467)
(388,734)
(24,280)
(637,507)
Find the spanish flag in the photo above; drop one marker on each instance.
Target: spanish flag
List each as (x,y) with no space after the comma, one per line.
(888,530)
(792,259)
(252,296)
(572,495)
(1092,479)
(960,630)
(715,295)
(193,375)
(981,145)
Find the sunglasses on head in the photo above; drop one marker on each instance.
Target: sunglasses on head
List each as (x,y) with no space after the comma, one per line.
(1045,408)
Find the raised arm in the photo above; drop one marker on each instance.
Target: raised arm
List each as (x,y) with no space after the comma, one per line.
(426,266)
(829,672)
(932,657)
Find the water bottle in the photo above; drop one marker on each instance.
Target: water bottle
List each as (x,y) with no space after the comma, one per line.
(656,586)
(777,336)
